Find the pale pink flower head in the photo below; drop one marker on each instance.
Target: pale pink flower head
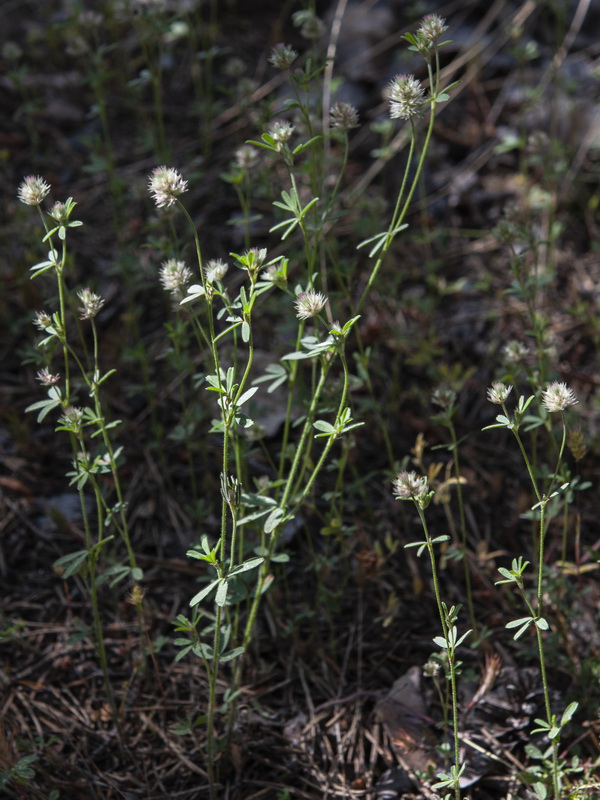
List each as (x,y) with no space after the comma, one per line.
(409,486)
(309,304)
(46,378)
(432,27)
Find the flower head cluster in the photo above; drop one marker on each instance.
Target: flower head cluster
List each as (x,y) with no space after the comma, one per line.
(59,212)
(343,117)
(174,277)
(41,320)
(444,397)
(46,378)
(409,486)
(32,190)
(432,27)
(557,397)
(234,68)
(246,157)
(72,419)
(283,56)
(311,27)
(254,258)
(90,303)
(215,270)
(309,304)
(281,132)
(406,96)
(165,185)
(515,352)
(498,392)
(90,19)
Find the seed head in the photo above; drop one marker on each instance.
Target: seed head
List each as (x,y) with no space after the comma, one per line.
(136,596)
(32,190)
(432,27)
(498,392)
(45,377)
(165,184)
(283,56)
(409,486)
(309,304)
(174,277)
(90,304)
(215,270)
(405,94)
(576,444)
(343,117)
(557,397)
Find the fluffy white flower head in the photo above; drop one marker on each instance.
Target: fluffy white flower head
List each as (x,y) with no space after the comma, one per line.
(165,184)
(498,392)
(405,94)
(409,486)
(32,190)
(309,304)
(174,277)
(557,397)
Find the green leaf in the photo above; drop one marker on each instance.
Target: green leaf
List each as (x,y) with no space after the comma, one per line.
(246,396)
(194,291)
(273,520)
(221,596)
(251,563)
(568,713)
(231,654)
(71,563)
(46,406)
(516,622)
(302,147)
(322,425)
(204,592)
(526,623)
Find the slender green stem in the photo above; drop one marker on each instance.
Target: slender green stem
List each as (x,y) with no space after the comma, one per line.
(463,528)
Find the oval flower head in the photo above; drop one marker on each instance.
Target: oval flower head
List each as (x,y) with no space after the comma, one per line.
(409,486)
(165,184)
(498,392)
(309,304)
(557,397)
(32,190)
(406,96)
